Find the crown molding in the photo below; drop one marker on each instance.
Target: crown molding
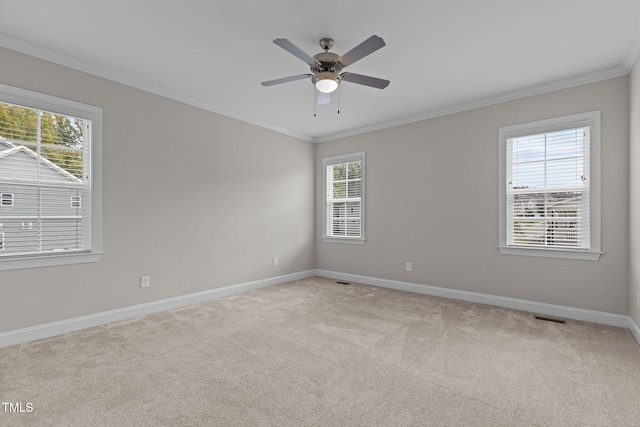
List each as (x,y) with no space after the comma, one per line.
(66,61)
(485,102)
(633,52)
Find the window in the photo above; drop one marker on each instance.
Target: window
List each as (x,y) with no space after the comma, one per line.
(6,199)
(344,203)
(550,188)
(50,154)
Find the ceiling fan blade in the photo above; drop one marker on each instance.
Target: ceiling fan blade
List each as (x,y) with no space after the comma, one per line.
(365,48)
(295,50)
(365,80)
(286,79)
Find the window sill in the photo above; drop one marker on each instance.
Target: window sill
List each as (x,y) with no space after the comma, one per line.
(551,253)
(48,260)
(347,240)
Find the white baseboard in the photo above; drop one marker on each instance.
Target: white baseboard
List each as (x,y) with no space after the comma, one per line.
(516,304)
(56,328)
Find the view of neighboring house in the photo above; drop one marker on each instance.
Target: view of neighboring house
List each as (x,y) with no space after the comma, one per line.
(40,202)
(550,219)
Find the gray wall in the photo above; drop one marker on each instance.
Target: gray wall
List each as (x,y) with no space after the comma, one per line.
(432,199)
(634,255)
(199,201)
(194,199)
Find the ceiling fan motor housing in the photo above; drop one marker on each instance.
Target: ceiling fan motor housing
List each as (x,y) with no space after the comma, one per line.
(328,61)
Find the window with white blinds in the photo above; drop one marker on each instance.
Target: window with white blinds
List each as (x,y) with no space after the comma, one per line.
(550,187)
(344,203)
(48,180)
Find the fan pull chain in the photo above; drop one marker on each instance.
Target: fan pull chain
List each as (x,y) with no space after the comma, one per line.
(315,101)
(338,95)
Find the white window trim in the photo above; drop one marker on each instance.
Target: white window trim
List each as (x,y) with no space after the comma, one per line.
(359,156)
(591,119)
(44,102)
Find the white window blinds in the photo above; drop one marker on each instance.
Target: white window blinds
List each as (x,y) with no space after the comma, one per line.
(344,197)
(45,171)
(548,189)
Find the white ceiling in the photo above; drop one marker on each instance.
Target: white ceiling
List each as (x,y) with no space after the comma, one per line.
(441,55)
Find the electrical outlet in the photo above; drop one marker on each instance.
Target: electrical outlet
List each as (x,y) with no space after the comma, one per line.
(145,281)
(409,266)
(275,262)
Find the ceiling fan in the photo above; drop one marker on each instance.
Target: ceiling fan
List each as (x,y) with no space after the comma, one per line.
(326,67)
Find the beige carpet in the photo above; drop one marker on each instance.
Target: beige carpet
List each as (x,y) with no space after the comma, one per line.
(318,353)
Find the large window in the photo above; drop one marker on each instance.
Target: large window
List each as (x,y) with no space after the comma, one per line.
(50,153)
(344,202)
(550,187)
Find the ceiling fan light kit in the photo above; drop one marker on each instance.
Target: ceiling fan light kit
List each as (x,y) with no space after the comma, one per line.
(327,66)
(326,82)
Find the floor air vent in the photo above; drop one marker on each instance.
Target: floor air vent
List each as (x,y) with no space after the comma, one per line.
(343,283)
(549,319)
